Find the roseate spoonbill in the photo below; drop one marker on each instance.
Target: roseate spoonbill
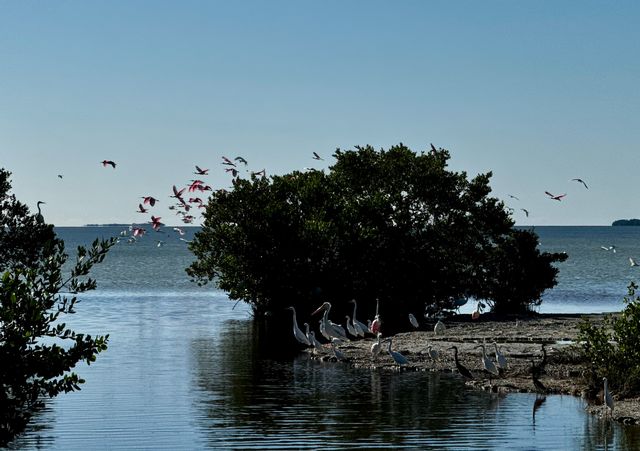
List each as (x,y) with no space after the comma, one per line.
(155,223)
(297,333)
(396,356)
(500,358)
(149,200)
(555,197)
(106,163)
(200,171)
(227,162)
(376,324)
(241,160)
(195,184)
(439,328)
(141,209)
(234,171)
(607,398)
(357,324)
(376,347)
(138,231)
(580,181)
(317,157)
(39,217)
(461,368)
(413,320)
(331,329)
(177,193)
(350,328)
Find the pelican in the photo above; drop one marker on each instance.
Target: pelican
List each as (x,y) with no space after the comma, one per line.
(396,356)
(461,368)
(297,333)
(500,358)
(413,320)
(607,398)
(376,347)
(331,329)
(488,365)
(439,328)
(433,354)
(357,324)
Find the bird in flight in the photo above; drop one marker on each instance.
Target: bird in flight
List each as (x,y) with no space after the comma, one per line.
(141,209)
(555,197)
(241,160)
(200,171)
(106,163)
(433,148)
(228,162)
(60,176)
(317,157)
(526,212)
(155,223)
(513,197)
(580,181)
(149,200)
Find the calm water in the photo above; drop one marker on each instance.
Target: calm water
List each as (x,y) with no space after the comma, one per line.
(186,371)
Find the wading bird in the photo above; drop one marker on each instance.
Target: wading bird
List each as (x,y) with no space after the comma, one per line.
(39,217)
(317,157)
(297,333)
(241,160)
(317,346)
(331,329)
(106,163)
(396,356)
(376,347)
(608,248)
(439,328)
(141,209)
(155,223)
(632,262)
(607,398)
(555,197)
(580,181)
(461,368)
(535,374)
(200,171)
(432,353)
(526,212)
(350,328)
(500,358)
(413,320)
(228,162)
(487,364)
(336,352)
(357,324)
(149,200)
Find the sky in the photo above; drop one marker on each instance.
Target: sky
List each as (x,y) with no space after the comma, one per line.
(536,92)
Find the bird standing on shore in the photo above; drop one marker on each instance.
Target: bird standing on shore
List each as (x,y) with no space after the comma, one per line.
(413,320)
(535,373)
(607,398)
(376,347)
(500,358)
(464,372)
(439,328)
(398,358)
(297,333)
(487,364)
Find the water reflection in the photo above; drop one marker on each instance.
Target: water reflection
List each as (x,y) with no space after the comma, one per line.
(253,396)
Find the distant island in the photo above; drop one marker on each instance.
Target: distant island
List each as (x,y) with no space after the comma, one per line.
(107,225)
(626,222)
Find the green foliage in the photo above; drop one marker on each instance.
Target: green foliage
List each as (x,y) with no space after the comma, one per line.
(613,349)
(37,350)
(390,225)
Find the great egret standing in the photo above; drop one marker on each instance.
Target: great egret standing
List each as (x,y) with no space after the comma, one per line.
(376,347)
(297,333)
(311,336)
(488,365)
(500,358)
(350,328)
(357,324)
(608,399)
(439,328)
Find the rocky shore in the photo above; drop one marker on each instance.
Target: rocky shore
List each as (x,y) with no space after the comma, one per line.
(520,341)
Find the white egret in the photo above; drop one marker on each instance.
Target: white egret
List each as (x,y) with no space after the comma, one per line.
(433,354)
(357,324)
(350,328)
(500,358)
(336,352)
(461,368)
(324,332)
(376,347)
(488,365)
(413,320)
(396,356)
(439,328)
(297,333)
(607,398)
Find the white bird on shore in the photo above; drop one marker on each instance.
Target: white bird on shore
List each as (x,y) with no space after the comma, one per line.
(488,365)
(500,358)
(413,320)
(350,328)
(433,354)
(607,398)
(331,329)
(439,328)
(376,347)
(363,329)
(396,356)
(336,352)
(297,333)
(311,336)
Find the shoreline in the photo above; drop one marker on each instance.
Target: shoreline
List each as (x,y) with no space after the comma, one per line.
(520,341)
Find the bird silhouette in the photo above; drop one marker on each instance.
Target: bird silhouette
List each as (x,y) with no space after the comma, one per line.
(106,163)
(461,368)
(200,171)
(555,197)
(580,181)
(526,212)
(39,217)
(317,157)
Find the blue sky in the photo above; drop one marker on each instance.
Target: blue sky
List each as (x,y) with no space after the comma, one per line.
(538,92)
